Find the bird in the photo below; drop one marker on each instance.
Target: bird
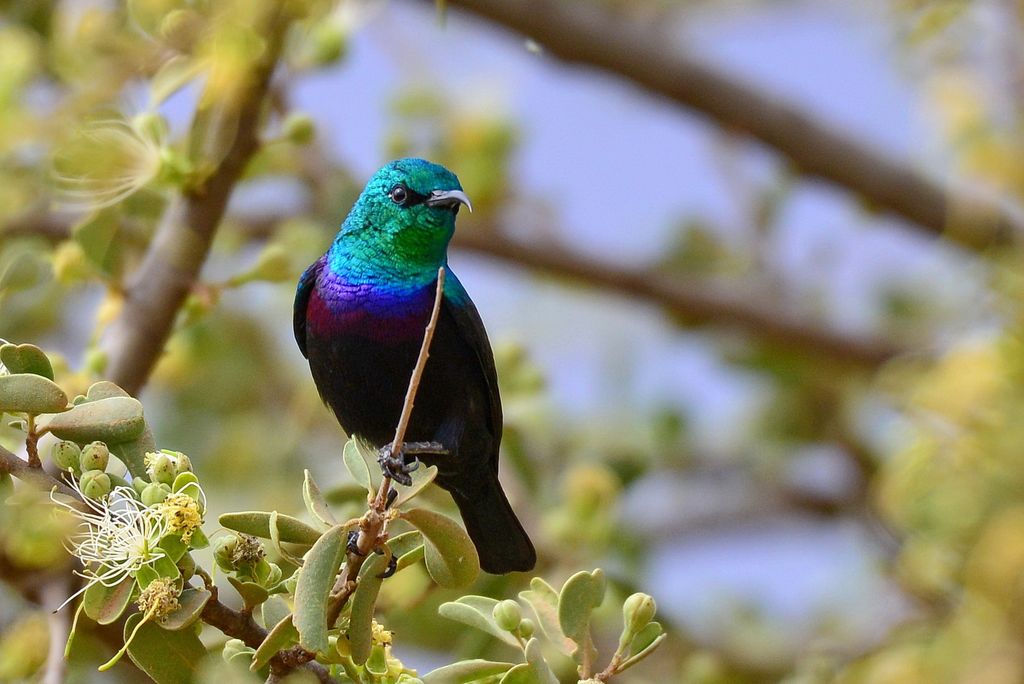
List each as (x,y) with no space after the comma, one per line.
(360,314)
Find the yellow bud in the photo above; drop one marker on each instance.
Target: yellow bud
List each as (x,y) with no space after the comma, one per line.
(299,128)
(70,265)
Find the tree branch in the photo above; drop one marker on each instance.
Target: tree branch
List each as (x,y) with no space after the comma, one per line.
(172,263)
(10,463)
(241,626)
(585,33)
(695,302)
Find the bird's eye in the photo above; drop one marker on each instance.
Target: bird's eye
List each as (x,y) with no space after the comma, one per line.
(398,194)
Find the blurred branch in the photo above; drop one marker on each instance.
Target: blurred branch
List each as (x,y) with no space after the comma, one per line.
(10,463)
(172,263)
(695,302)
(585,33)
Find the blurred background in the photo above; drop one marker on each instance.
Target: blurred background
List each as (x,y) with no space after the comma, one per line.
(751,271)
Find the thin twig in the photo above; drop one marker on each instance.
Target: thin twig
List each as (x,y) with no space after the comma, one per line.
(374,523)
(414,385)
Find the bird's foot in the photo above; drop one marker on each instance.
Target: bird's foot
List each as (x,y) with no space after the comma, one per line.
(352,546)
(395,465)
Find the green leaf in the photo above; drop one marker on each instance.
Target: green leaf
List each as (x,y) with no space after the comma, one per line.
(466,672)
(30,393)
(520,674)
(478,612)
(360,633)
(26,358)
(104,389)
(450,555)
(257,523)
(311,592)
(539,666)
(97,235)
(407,548)
(133,453)
(199,539)
(543,599)
(23,270)
(421,477)
(190,608)
(315,504)
(356,465)
(644,644)
(581,594)
(175,548)
(280,637)
(106,604)
(377,663)
(252,594)
(273,610)
(112,420)
(167,657)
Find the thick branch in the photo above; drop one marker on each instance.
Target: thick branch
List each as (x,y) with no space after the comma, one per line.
(586,33)
(172,263)
(694,302)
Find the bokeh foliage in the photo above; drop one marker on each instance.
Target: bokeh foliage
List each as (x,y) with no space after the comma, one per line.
(94,144)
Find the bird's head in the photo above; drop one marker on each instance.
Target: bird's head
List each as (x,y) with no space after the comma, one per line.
(410,205)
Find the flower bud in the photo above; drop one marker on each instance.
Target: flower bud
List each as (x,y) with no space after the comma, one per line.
(95,484)
(182,463)
(274,575)
(66,455)
(187,566)
(70,264)
(236,648)
(155,493)
(139,485)
(638,611)
(526,628)
(95,456)
(160,468)
(224,552)
(508,615)
(299,128)
(327,42)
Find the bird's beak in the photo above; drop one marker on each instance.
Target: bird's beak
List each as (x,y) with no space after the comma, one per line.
(448,198)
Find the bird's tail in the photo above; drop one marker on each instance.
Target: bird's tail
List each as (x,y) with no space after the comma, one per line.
(499,537)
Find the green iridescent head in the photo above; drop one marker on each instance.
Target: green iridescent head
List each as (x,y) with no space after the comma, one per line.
(405,214)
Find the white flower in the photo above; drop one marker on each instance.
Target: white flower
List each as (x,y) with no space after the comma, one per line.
(117,536)
(104,163)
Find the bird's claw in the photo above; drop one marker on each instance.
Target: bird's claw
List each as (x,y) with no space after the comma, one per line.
(394,465)
(352,546)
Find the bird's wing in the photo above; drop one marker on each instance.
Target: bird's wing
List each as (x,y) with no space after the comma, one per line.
(306,283)
(460,307)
